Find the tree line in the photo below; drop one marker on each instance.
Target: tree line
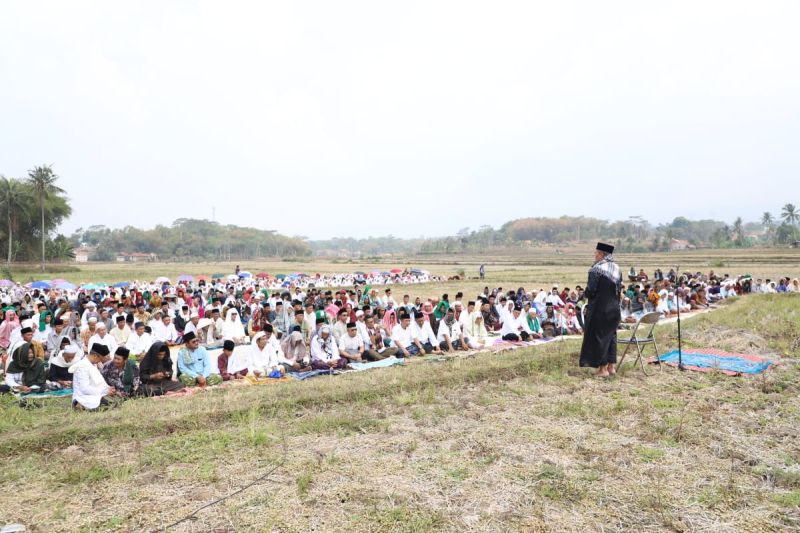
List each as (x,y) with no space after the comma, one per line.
(188,239)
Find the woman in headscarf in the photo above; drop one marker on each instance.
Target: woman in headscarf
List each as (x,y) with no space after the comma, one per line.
(43,329)
(389,321)
(295,353)
(122,374)
(155,371)
(9,325)
(25,373)
(67,355)
(233,329)
(475,331)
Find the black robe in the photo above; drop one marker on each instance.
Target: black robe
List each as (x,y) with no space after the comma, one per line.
(601,321)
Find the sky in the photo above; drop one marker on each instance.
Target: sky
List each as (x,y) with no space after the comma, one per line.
(336,119)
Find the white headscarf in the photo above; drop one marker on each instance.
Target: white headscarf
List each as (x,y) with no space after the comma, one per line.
(59,359)
(233,329)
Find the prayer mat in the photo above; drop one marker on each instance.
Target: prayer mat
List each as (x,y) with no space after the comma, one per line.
(310,374)
(705,360)
(48,394)
(389,361)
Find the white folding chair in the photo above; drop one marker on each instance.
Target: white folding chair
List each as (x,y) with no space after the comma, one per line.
(647,322)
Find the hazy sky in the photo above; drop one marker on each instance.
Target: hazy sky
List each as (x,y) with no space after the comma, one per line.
(366,118)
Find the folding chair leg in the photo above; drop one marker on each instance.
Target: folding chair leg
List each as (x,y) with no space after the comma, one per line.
(624,353)
(658,361)
(640,358)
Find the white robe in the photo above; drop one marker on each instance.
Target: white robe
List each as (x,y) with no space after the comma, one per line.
(88,385)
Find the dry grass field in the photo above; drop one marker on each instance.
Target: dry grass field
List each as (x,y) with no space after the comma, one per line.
(519,441)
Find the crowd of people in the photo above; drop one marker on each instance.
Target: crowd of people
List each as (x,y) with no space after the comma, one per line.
(149,339)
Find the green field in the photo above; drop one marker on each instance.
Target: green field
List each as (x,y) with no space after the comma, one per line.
(521,441)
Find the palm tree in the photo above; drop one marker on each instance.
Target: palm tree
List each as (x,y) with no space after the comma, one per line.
(790,214)
(767,220)
(14,198)
(43,181)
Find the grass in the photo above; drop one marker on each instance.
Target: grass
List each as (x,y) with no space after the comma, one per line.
(516,441)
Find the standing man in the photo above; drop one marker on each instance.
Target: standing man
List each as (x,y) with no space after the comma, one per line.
(599,349)
(482,270)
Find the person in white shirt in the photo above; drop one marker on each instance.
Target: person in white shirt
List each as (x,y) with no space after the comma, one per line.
(101,336)
(449,335)
(351,345)
(403,338)
(325,352)
(191,324)
(164,331)
(372,335)
(514,327)
(121,332)
(263,358)
(139,342)
(340,328)
(425,335)
(387,299)
(89,389)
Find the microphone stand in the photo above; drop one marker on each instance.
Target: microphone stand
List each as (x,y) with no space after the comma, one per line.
(680,351)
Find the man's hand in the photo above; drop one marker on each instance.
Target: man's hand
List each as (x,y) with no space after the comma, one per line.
(201,381)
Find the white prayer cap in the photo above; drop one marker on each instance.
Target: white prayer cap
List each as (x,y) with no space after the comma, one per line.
(194,314)
(92,319)
(359,313)
(70,348)
(458,303)
(91,304)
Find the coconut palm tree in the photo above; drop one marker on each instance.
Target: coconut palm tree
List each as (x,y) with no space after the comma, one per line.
(790,214)
(43,181)
(14,198)
(767,220)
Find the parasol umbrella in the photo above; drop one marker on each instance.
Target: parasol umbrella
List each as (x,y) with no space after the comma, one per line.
(6,283)
(396,270)
(218,275)
(185,277)
(359,273)
(58,280)
(63,284)
(202,277)
(262,275)
(93,286)
(245,274)
(417,271)
(233,277)
(386,273)
(121,285)
(162,279)
(280,276)
(43,284)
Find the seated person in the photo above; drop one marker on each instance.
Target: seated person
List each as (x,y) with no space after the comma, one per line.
(295,353)
(89,389)
(139,342)
(122,374)
(534,325)
(263,357)
(58,372)
(230,365)
(325,352)
(155,371)
(165,331)
(25,373)
(233,329)
(194,364)
(476,332)
(351,346)
(403,338)
(514,328)
(423,332)
(450,338)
